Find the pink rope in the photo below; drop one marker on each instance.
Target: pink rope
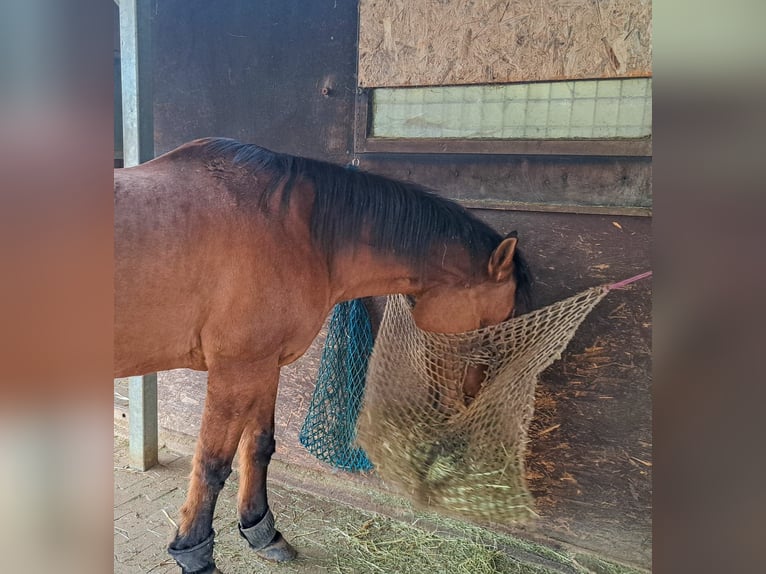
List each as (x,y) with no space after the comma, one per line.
(625,282)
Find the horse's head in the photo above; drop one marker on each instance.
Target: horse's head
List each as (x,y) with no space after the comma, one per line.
(487,298)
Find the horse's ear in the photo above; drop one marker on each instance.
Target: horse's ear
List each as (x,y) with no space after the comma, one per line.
(501,261)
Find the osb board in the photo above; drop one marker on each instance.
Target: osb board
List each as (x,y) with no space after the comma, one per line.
(443,42)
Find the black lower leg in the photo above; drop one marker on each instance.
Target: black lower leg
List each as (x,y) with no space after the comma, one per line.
(256,522)
(254,505)
(192,547)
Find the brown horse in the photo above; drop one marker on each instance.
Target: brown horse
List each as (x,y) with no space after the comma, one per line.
(229,257)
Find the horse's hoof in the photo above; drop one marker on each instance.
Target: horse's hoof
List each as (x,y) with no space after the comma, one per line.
(278,550)
(212,570)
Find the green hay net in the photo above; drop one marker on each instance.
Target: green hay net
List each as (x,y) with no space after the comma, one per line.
(329,429)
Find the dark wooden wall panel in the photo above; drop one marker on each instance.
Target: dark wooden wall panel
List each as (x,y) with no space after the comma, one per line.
(255,71)
(533,182)
(592,475)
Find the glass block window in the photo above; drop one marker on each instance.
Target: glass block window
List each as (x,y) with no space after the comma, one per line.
(582,109)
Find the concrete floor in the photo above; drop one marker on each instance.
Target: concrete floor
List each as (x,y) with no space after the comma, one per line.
(337,527)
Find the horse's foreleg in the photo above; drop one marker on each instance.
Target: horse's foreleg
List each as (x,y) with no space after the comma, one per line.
(256,522)
(232,393)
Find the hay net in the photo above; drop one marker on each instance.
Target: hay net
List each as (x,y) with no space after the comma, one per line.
(461,459)
(329,428)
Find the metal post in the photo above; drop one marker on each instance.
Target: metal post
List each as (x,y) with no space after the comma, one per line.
(138,147)
(142,421)
(135,64)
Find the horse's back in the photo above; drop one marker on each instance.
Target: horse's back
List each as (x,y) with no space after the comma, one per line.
(198,270)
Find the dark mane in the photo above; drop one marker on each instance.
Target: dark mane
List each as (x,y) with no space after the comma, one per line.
(402,218)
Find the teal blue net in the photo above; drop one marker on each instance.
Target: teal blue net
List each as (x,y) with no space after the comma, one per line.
(329,429)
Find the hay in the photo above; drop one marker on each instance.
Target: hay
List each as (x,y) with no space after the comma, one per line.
(434,543)
(338,540)
(388,546)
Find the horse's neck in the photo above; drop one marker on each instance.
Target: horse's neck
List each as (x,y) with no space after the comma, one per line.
(364,272)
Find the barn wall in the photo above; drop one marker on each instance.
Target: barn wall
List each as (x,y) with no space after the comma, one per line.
(282,74)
